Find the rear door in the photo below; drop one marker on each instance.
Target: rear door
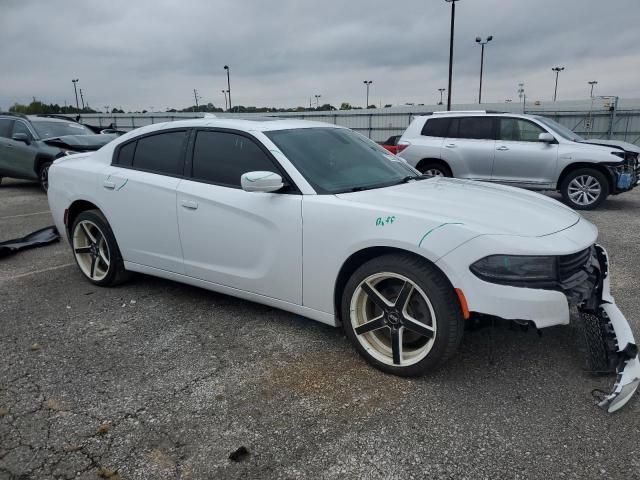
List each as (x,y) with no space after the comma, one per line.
(6,127)
(138,194)
(469,148)
(521,159)
(251,241)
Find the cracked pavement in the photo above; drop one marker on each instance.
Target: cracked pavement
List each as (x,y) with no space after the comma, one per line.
(154,379)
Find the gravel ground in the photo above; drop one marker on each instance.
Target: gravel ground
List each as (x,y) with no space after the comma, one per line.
(154,379)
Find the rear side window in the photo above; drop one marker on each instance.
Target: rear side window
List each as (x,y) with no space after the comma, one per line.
(125,154)
(161,153)
(479,128)
(436,127)
(222,158)
(6,125)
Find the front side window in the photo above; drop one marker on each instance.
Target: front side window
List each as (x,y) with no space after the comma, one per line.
(519,130)
(222,158)
(337,160)
(20,127)
(161,153)
(478,128)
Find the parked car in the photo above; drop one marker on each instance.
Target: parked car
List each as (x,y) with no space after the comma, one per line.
(28,144)
(528,151)
(391,144)
(399,259)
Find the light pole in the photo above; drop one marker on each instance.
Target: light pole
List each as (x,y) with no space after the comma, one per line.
(317,97)
(226,67)
(82,99)
(75,90)
(482,44)
(224,92)
(453,20)
(367,83)
(522,95)
(557,70)
(441,90)
(195,96)
(592,83)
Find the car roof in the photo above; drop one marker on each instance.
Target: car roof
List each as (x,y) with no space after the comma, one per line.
(38,118)
(255,124)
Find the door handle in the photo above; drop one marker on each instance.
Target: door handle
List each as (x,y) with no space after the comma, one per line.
(190,204)
(109,185)
(450,145)
(502,148)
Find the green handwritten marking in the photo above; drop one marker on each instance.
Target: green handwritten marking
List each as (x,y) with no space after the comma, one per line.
(121,186)
(256,179)
(382,221)
(436,228)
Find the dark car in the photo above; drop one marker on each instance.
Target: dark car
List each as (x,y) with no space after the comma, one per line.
(391,144)
(29,144)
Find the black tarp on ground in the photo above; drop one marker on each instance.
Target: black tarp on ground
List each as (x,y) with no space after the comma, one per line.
(38,238)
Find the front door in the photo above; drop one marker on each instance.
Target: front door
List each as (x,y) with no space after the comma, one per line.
(246,240)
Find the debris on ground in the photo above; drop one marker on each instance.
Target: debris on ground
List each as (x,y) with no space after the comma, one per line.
(239,455)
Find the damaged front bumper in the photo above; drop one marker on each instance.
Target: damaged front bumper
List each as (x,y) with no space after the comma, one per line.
(618,340)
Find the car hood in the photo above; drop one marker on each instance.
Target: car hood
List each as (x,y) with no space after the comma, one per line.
(629,147)
(486,208)
(80,143)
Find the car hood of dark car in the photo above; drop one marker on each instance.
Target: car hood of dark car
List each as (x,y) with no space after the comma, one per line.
(80,143)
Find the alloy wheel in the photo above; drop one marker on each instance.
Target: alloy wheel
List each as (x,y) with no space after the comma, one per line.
(91,250)
(393,319)
(584,190)
(434,172)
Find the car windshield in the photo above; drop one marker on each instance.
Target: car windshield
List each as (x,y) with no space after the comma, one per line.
(51,129)
(338,160)
(561,130)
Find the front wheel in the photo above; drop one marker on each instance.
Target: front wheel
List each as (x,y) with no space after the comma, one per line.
(435,170)
(402,315)
(43,175)
(584,189)
(95,249)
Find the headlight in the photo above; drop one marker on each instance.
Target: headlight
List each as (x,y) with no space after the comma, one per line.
(516,269)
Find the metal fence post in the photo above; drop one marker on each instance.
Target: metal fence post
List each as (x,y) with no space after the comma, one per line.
(370,119)
(613,118)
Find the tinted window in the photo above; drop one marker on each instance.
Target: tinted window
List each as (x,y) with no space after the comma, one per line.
(222,158)
(518,130)
(480,128)
(5,127)
(161,153)
(436,127)
(125,154)
(20,127)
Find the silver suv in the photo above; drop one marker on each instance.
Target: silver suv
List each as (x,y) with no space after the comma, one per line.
(527,151)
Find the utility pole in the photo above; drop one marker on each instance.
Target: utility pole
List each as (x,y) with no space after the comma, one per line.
(453,21)
(368,84)
(75,90)
(557,70)
(226,67)
(482,44)
(441,90)
(317,97)
(82,99)
(522,95)
(224,92)
(195,95)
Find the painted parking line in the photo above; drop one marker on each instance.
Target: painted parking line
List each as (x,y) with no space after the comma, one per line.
(24,215)
(35,272)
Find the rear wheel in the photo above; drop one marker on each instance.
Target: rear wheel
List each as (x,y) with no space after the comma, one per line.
(401,314)
(584,189)
(95,249)
(43,175)
(434,169)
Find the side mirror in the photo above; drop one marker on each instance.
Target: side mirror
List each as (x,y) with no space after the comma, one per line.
(261,182)
(546,138)
(22,137)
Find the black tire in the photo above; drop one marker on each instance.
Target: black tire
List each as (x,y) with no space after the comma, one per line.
(0,180)
(596,340)
(577,175)
(426,167)
(449,323)
(115,273)
(43,175)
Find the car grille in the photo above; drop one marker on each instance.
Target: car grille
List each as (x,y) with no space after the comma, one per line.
(571,265)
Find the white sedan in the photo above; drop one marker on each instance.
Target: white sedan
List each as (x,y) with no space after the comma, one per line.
(318,220)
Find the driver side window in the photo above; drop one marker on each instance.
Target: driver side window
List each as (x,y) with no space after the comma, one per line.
(20,127)
(519,130)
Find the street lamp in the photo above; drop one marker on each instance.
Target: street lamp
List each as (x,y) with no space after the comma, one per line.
(82,99)
(226,67)
(557,70)
(317,97)
(441,90)
(592,83)
(482,44)
(367,83)
(75,90)
(453,19)
(224,92)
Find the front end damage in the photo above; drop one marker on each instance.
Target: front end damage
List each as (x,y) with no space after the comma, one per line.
(610,343)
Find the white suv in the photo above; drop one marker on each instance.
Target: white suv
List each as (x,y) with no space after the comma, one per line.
(527,151)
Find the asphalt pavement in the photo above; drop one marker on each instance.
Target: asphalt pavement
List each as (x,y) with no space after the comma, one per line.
(155,379)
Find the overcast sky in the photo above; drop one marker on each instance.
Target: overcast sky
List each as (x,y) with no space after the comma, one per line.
(143,53)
